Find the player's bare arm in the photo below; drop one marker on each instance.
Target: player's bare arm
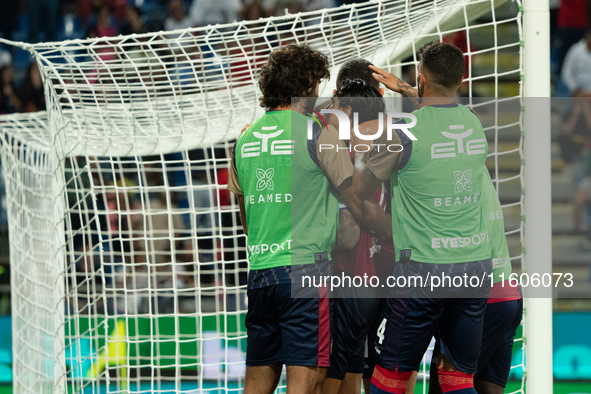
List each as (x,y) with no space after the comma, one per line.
(397,85)
(368,213)
(374,167)
(373,212)
(365,183)
(348,231)
(337,166)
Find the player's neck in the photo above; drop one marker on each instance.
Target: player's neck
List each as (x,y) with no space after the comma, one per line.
(280,108)
(430,97)
(300,107)
(437,100)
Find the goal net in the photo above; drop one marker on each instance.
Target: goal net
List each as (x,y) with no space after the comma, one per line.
(128,259)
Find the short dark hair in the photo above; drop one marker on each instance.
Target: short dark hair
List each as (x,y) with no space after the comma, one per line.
(291,71)
(443,62)
(357,68)
(363,98)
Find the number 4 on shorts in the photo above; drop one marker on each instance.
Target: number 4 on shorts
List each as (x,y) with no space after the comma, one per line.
(382,330)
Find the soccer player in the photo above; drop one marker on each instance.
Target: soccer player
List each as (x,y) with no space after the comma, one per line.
(384,258)
(290,216)
(354,309)
(357,68)
(438,228)
(356,319)
(357,315)
(503,311)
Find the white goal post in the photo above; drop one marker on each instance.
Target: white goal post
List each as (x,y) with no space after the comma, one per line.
(538,196)
(127,258)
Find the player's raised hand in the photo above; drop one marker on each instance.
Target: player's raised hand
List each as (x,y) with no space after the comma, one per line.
(390,80)
(396,84)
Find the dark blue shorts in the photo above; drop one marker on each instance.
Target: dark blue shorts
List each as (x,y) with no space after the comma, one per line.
(352,318)
(501,320)
(408,324)
(281,328)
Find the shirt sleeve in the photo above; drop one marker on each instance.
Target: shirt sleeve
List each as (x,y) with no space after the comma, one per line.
(380,160)
(334,162)
(233,182)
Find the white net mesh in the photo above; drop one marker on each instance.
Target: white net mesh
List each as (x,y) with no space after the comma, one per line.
(153,93)
(126,172)
(36,237)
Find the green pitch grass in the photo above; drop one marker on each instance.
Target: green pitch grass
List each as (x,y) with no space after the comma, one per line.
(559,388)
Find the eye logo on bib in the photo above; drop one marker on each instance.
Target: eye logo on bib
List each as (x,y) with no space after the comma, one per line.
(463,181)
(265,179)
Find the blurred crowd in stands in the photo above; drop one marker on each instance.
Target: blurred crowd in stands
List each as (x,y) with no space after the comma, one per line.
(56,20)
(571,72)
(151,235)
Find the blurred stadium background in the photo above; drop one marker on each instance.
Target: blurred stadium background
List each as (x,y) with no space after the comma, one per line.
(21,90)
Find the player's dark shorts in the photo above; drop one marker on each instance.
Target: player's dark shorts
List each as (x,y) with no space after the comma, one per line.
(408,324)
(501,320)
(352,318)
(282,328)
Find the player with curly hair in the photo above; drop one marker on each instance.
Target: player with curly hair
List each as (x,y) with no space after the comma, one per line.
(285,187)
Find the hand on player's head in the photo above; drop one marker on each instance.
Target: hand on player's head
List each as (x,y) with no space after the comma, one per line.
(389,80)
(378,73)
(356,68)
